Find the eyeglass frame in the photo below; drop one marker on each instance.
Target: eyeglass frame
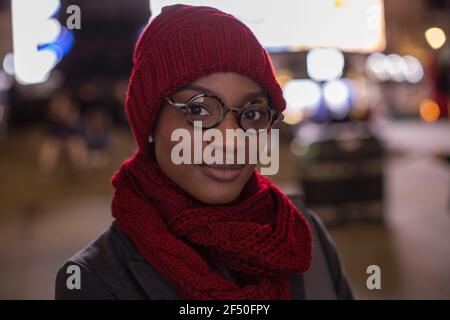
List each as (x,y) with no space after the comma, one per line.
(275,116)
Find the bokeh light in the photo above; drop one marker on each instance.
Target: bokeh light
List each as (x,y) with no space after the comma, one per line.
(324,64)
(301,95)
(337,96)
(435,37)
(429,110)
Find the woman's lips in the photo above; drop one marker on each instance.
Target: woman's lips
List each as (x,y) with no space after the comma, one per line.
(222,172)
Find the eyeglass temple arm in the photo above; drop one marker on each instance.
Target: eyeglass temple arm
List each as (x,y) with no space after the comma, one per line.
(278,116)
(178,106)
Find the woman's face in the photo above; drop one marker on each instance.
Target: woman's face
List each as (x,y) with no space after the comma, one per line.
(209,184)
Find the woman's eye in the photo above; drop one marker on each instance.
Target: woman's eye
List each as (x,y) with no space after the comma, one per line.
(198,110)
(252,115)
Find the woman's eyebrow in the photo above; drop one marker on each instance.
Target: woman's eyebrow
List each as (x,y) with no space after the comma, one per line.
(250,96)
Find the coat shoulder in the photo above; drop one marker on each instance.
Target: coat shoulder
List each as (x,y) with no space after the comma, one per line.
(98,271)
(326,262)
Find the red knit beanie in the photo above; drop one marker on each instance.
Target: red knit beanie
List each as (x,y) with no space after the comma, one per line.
(182,44)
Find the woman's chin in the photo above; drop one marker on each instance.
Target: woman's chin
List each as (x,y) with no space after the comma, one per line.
(219,187)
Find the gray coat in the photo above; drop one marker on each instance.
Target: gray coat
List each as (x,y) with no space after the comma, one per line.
(111,268)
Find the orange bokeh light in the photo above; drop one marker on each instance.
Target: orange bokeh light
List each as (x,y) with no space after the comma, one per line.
(429,110)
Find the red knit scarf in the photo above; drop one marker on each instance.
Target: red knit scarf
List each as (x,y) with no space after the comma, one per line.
(261,237)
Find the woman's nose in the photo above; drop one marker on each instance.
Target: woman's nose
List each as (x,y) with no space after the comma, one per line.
(229,122)
(230,142)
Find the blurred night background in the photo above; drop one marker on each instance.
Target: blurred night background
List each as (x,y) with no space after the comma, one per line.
(366,136)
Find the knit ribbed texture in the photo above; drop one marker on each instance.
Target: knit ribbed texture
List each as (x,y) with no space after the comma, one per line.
(261,238)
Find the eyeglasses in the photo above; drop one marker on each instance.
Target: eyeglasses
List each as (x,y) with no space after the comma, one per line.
(210,110)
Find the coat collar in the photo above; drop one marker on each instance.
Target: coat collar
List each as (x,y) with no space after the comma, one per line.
(154,286)
(150,281)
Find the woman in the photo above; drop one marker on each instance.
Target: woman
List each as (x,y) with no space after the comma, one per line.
(198,231)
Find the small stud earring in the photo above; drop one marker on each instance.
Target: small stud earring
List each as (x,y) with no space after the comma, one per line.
(150,139)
